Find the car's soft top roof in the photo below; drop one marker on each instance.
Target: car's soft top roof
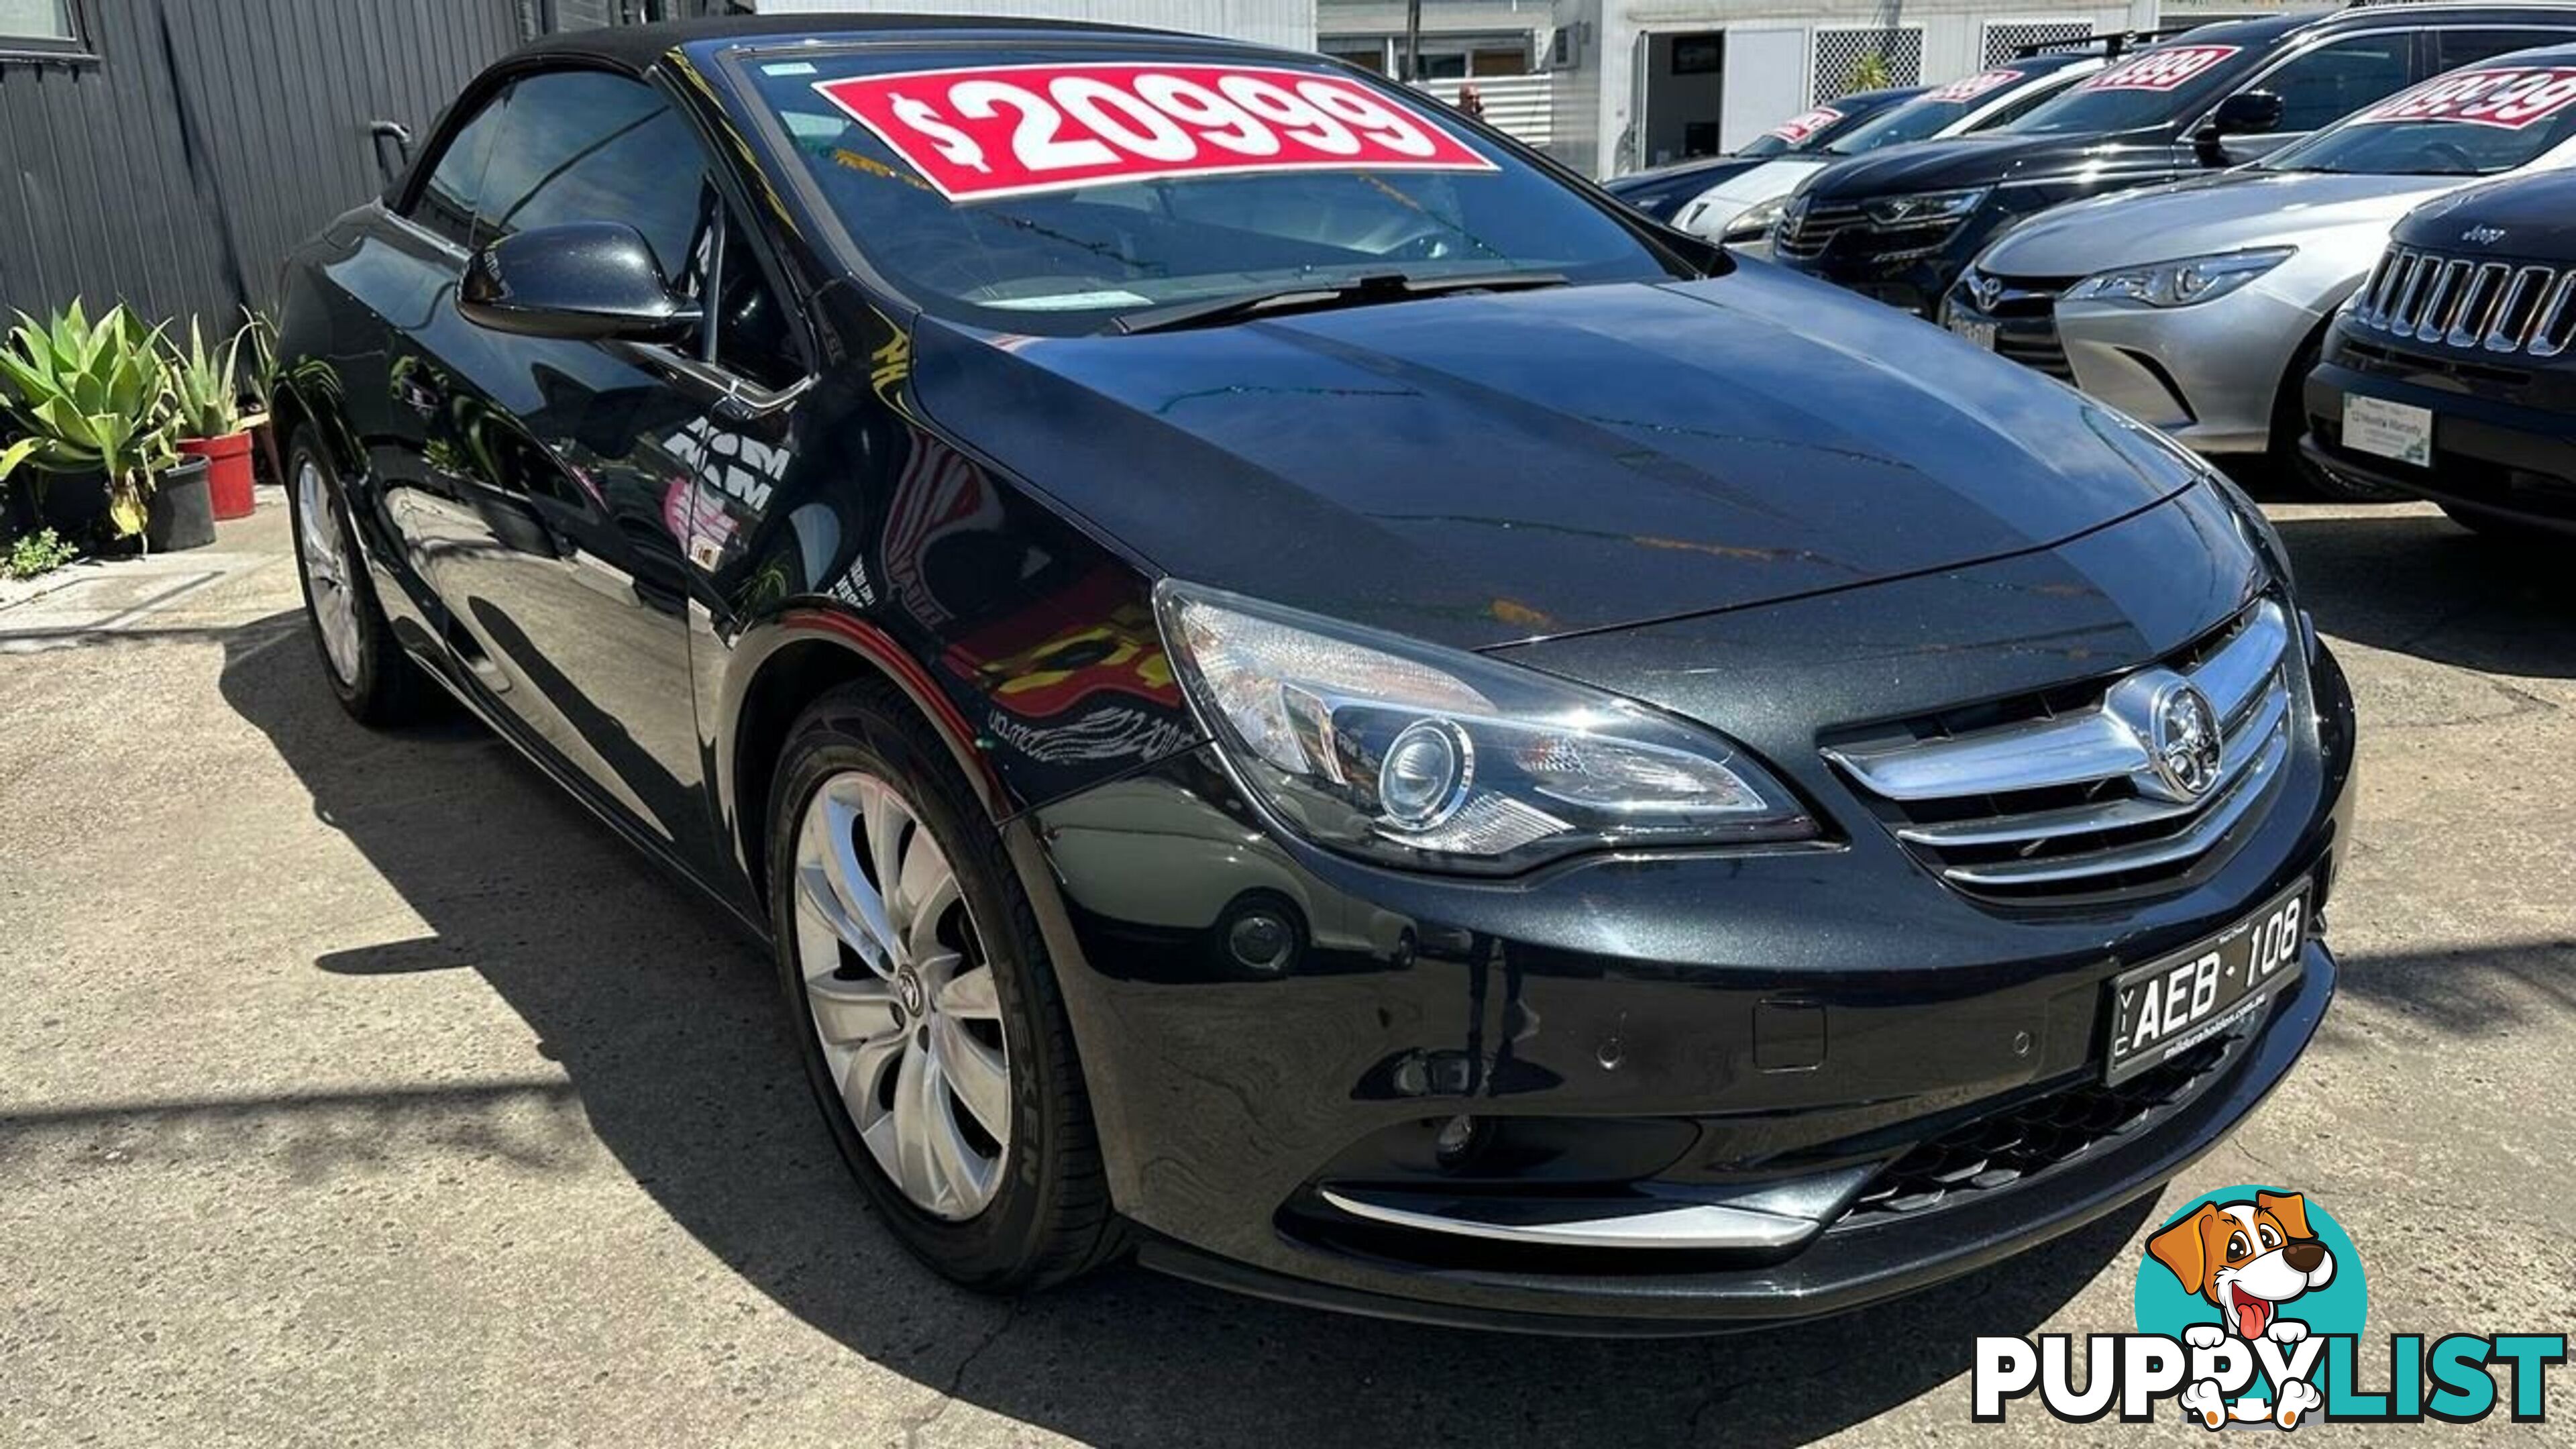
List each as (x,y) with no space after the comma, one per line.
(635,48)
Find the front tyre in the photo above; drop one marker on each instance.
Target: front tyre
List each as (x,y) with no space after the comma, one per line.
(371,676)
(923,1004)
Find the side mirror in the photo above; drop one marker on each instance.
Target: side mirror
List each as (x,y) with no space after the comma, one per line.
(587,281)
(2246,113)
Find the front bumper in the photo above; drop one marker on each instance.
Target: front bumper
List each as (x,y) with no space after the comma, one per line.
(2211,375)
(1910,271)
(2504,436)
(1678,1029)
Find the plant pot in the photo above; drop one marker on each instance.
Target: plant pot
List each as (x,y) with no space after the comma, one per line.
(270,469)
(228,472)
(181,511)
(71,504)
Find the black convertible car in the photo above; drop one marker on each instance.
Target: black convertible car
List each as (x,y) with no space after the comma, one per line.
(1300,693)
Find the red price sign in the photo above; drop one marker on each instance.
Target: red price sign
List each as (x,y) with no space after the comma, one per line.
(1806,123)
(2508,97)
(1976,85)
(1013,130)
(2160,70)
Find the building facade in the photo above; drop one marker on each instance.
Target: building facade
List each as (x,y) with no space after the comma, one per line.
(1639,83)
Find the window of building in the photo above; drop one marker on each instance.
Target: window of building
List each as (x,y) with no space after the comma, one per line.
(43,28)
(2005,40)
(1863,60)
(1370,57)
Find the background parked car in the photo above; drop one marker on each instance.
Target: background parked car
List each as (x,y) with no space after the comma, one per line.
(1740,209)
(2450,376)
(1901,225)
(1665,190)
(2201,306)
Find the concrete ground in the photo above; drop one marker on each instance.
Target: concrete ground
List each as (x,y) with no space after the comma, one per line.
(357,1088)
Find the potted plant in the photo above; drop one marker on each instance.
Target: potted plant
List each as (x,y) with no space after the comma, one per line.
(261,419)
(93,399)
(205,407)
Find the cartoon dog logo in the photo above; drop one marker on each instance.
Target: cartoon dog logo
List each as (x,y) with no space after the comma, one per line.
(2247,1259)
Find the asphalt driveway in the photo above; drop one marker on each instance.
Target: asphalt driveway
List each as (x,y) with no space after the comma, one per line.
(358,1088)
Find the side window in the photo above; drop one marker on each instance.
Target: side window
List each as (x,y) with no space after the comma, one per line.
(2332,81)
(751,328)
(446,201)
(2020,106)
(589,146)
(2464,45)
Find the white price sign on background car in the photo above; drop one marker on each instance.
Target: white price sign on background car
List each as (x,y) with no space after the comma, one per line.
(2388,429)
(2160,70)
(995,131)
(2506,97)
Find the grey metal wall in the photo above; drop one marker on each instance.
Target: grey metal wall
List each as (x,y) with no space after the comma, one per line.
(208,136)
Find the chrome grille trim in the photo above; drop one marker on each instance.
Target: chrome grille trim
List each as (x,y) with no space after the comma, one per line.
(2069,803)
(1814,229)
(2246,739)
(2071,749)
(2219,816)
(2478,298)
(2470,304)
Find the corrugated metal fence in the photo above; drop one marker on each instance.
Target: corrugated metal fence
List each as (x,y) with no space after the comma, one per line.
(207,136)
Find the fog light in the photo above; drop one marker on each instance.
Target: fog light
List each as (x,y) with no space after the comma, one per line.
(1458,1137)
(1261,940)
(1424,777)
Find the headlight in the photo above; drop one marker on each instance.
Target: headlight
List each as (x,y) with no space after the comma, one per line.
(1412,755)
(1925,208)
(2179,283)
(1754,221)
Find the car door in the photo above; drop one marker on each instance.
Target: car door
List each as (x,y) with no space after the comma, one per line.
(564,574)
(390,291)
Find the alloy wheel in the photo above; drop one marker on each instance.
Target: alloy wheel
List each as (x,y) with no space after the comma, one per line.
(326,571)
(901,995)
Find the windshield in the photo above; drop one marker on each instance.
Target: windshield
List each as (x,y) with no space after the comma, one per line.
(1813,130)
(1926,115)
(2150,87)
(2472,122)
(1056,196)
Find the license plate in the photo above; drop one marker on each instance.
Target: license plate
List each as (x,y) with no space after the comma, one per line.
(2172,1004)
(1975,329)
(2389,429)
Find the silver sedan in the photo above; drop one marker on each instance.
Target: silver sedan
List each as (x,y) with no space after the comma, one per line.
(2199,306)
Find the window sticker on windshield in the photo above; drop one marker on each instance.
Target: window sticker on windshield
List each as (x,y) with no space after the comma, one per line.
(2506,96)
(1014,130)
(2160,70)
(1806,123)
(1976,85)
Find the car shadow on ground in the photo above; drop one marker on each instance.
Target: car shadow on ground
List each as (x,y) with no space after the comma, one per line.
(2405,578)
(2413,582)
(669,1029)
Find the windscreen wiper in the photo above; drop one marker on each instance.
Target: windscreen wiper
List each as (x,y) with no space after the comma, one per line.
(1366,291)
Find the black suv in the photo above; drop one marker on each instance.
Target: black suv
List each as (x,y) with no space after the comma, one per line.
(1902,224)
(2450,374)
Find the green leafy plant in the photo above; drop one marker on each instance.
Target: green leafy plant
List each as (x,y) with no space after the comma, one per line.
(1872,73)
(91,397)
(261,332)
(31,554)
(205,396)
